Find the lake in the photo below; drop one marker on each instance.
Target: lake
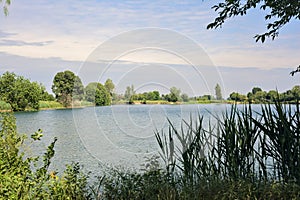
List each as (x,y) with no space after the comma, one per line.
(116,135)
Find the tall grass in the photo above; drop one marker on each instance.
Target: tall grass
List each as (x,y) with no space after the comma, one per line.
(258,149)
(49,105)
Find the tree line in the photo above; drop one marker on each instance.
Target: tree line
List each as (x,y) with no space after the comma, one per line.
(67,87)
(257,95)
(23,94)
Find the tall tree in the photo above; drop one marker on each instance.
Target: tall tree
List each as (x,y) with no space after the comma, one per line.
(174,94)
(110,86)
(102,96)
(129,93)
(66,85)
(218,92)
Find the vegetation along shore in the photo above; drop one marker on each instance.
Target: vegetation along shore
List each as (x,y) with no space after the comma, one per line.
(20,94)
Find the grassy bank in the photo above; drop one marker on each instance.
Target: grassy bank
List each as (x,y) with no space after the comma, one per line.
(45,105)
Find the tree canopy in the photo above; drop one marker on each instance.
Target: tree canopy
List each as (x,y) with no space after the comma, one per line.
(102,96)
(280,12)
(20,92)
(67,85)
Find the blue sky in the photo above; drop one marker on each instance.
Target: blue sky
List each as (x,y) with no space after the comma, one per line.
(146,43)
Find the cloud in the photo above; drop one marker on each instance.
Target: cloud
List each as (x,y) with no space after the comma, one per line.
(23,43)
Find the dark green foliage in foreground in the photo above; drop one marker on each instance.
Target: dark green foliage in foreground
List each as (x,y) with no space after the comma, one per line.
(19,181)
(243,156)
(278,12)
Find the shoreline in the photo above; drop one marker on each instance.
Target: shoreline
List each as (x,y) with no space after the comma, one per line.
(142,103)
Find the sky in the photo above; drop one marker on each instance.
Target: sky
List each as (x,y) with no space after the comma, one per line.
(150,44)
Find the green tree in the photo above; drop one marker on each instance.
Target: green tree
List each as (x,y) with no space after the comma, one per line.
(19,92)
(78,89)
(185,97)
(260,96)
(296,92)
(129,94)
(66,85)
(256,89)
(237,97)
(272,95)
(218,92)
(89,91)
(102,96)
(156,95)
(110,86)
(279,13)
(174,95)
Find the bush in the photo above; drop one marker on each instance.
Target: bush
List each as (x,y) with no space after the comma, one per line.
(19,181)
(4,106)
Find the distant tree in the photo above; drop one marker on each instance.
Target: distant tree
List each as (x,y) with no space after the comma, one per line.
(260,96)
(110,86)
(272,95)
(89,91)
(78,90)
(237,97)
(279,12)
(296,92)
(255,90)
(67,85)
(218,92)
(19,92)
(156,95)
(206,97)
(102,96)
(174,95)
(185,97)
(129,94)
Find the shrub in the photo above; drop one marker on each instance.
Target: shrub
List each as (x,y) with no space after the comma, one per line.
(18,180)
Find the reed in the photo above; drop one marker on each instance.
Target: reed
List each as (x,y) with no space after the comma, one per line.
(255,147)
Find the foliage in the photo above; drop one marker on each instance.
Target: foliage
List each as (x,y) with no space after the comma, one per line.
(66,85)
(256,156)
(102,96)
(218,92)
(257,95)
(280,12)
(89,91)
(4,106)
(109,85)
(20,93)
(174,94)
(6,3)
(184,97)
(237,97)
(129,94)
(19,180)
